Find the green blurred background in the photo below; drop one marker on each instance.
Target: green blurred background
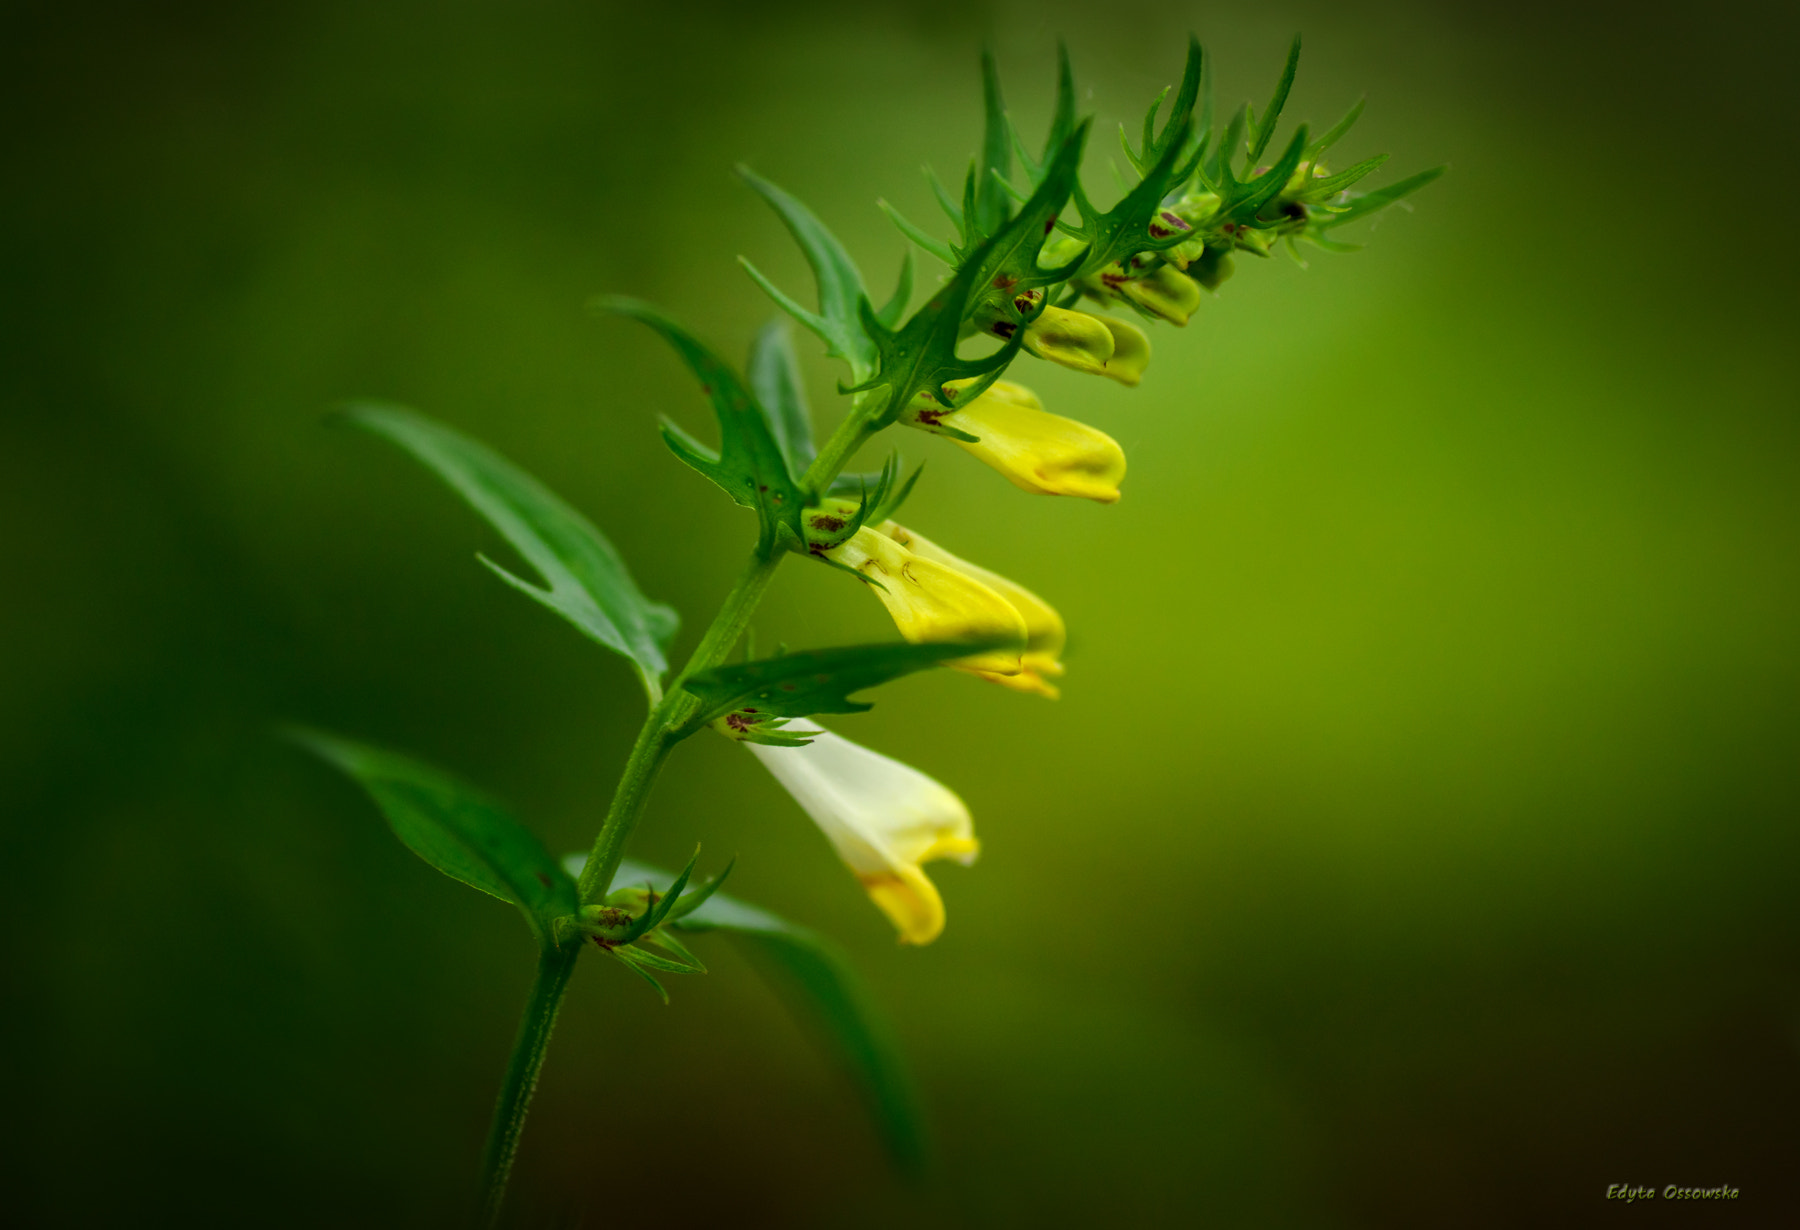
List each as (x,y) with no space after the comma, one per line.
(1414,845)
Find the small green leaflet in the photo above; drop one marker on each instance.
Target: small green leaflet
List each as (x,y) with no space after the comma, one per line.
(589,585)
(996,152)
(840,284)
(1373,202)
(815,680)
(1266,129)
(774,374)
(456,829)
(750,465)
(826,991)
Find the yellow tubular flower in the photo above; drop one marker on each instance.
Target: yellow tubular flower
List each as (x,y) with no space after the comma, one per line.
(1045,634)
(884,818)
(1130,353)
(931,601)
(1039,452)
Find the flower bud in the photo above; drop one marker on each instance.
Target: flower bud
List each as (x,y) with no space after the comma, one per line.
(1131,350)
(1213,268)
(1074,339)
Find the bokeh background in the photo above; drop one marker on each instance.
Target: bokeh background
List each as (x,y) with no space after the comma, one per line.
(1414,845)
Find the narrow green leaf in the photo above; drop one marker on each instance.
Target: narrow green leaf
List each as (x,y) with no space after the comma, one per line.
(589,585)
(948,204)
(751,466)
(815,680)
(929,243)
(1272,117)
(774,374)
(840,285)
(996,151)
(1325,187)
(1336,132)
(895,307)
(456,829)
(825,991)
(1372,202)
(1062,123)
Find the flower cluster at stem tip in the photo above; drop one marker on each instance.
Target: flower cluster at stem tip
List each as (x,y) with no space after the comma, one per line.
(1035,268)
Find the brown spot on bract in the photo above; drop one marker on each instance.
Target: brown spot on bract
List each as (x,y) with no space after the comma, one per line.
(543,879)
(1005,328)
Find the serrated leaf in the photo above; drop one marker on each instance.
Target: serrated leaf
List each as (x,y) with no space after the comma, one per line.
(774,375)
(824,990)
(840,284)
(1271,117)
(1265,187)
(456,829)
(921,355)
(1381,198)
(750,465)
(1007,266)
(589,585)
(815,680)
(1124,230)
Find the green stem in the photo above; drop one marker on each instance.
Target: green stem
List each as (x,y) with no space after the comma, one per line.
(554,967)
(662,729)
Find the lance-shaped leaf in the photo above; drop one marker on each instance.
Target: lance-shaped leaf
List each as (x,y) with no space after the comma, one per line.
(456,829)
(825,992)
(996,152)
(1005,272)
(1372,202)
(1261,132)
(1335,133)
(589,585)
(774,374)
(816,680)
(749,466)
(840,284)
(1062,123)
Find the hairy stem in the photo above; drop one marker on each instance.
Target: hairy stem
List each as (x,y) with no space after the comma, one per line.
(555,964)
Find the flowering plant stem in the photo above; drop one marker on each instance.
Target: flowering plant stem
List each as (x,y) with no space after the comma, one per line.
(664,727)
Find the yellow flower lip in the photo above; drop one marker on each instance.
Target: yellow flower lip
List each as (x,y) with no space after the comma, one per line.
(884,818)
(1038,452)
